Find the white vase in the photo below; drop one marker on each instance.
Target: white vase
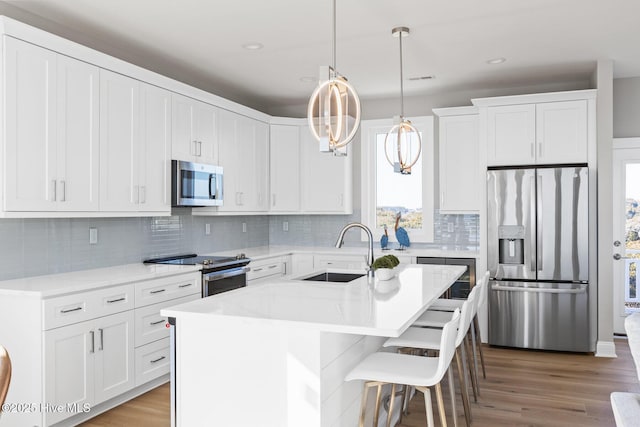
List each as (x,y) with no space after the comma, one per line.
(385,273)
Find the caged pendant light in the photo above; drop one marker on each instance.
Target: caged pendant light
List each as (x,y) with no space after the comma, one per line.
(402,140)
(334,107)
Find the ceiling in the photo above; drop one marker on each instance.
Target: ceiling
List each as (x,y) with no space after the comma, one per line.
(201,42)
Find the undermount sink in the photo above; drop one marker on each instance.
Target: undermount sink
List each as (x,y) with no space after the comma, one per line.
(334,277)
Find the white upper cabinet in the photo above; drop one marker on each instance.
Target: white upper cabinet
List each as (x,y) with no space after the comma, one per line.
(326,179)
(284,168)
(542,132)
(134,145)
(195,133)
(459,165)
(243,151)
(51,122)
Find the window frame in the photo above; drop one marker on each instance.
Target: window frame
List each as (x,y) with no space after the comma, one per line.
(369,129)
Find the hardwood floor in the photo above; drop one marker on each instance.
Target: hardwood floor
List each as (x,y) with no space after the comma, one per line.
(523,388)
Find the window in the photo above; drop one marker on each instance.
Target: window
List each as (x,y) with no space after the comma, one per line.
(385,193)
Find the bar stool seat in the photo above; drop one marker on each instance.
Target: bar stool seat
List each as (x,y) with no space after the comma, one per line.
(445,304)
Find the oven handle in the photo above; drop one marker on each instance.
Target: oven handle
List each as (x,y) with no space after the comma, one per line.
(219,275)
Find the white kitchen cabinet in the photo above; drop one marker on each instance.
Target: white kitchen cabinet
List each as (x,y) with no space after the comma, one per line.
(348,262)
(51,131)
(134,145)
(266,269)
(194,130)
(88,362)
(284,169)
(326,179)
(301,264)
(243,151)
(459,165)
(541,133)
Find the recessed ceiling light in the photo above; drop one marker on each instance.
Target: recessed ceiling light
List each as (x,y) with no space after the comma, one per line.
(307,79)
(253,46)
(495,61)
(422,78)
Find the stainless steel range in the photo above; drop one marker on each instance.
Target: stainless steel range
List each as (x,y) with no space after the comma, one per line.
(219,273)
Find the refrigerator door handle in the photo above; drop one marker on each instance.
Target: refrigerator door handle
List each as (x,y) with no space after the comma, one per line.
(539,223)
(579,290)
(532,240)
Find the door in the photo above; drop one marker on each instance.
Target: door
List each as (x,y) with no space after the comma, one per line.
(78,135)
(511,133)
(285,168)
(154,166)
(30,103)
(119,142)
(205,123)
(626,229)
(511,223)
(69,368)
(114,365)
(562,203)
(561,132)
(183,145)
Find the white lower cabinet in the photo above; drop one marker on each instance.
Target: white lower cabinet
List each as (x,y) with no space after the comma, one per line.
(152,361)
(87,363)
(266,269)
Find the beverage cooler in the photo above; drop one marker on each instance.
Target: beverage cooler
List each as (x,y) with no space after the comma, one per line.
(461,287)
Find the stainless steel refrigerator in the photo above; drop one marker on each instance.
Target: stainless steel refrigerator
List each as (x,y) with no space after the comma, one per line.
(537,254)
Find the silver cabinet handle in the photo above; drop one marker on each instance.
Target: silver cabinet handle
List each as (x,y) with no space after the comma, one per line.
(143,194)
(539,149)
(158,359)
(273,266)
(134,195)
(533,150)
(93,342)
(158,291)
(70,310)
(157,322)
(273,199)
(53,190)
(185,285)
(63,198)
(111,301)
(101,339)
(256,270)
(195,147)
(199,148)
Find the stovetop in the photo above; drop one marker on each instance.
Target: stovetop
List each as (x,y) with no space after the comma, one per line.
(205,261)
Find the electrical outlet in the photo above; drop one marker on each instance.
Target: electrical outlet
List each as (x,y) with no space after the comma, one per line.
(285,225)
(207,229)
(450,227)
(93,236)
(244,227)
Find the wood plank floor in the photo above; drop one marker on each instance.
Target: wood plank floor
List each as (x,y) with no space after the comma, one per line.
(523,388)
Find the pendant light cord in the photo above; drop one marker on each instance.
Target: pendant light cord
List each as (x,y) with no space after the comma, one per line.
(401,80)
(334,38)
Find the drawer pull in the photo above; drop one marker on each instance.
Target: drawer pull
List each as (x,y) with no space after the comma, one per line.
(273,266)
(70,310)
(186,286)
(158,291)
(93,342)
(157,322)
(101,339)
(255,270)
(158,359)
(111,301)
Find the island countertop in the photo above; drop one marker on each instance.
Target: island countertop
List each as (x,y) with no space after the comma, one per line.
(380,308)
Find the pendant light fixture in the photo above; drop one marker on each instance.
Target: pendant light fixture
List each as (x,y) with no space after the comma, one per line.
(402,137)
(334,107)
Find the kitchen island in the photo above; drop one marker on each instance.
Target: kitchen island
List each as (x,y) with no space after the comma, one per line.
(277,354)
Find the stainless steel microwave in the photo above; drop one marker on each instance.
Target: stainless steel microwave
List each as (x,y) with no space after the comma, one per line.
(195,184)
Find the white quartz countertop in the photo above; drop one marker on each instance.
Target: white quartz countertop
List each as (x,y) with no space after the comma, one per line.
(53,285)
(383,308)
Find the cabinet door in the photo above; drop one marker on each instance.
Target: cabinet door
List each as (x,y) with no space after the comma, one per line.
(30,162)
(69,368)
(231,160)
(459,164)
(326,179)
(254,155)
(78,149)
(561,130)
(119,140)
(205,122)
(154,165)
(183,145)
(511,135)
(284,154)
(114,365)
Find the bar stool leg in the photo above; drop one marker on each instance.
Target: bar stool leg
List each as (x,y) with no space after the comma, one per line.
(376,415)
(392,399)
(462,377)
(440,400)
(475,357)
(465,360)
(452,395)
(363,404)
(427,405)
(476,325)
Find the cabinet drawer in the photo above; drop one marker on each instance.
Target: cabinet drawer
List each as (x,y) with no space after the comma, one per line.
(150,325)
(266,269)
(167,288)
(349,262)
(83,306)
(152,361)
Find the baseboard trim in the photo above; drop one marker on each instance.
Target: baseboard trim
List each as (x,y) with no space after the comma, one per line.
(605,349)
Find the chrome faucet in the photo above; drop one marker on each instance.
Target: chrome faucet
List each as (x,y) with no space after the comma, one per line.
(340,241)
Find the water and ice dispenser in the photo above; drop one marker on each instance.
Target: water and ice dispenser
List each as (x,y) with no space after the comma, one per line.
(511,244)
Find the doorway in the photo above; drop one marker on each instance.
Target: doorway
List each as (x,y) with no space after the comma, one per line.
(626,229)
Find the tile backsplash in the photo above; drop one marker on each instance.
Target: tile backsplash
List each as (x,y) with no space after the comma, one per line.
(32,247)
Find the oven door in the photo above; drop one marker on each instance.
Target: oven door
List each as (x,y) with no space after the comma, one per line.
(224,280)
